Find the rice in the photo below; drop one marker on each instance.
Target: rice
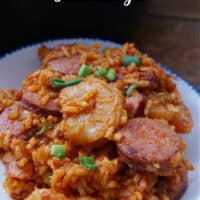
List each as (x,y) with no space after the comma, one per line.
(55,178)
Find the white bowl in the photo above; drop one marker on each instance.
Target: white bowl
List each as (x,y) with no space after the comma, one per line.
(17,64)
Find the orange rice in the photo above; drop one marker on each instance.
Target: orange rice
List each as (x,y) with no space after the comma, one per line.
(85,118)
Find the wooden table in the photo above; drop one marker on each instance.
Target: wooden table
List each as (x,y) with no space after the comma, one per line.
(171,34)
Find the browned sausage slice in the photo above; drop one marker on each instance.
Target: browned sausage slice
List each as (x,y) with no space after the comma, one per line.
(32,101)
(66,65)
(135,105)
(7,124)
(15,121)
(149,145)
(25,173)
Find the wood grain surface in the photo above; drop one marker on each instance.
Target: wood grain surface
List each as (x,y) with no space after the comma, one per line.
(171,34)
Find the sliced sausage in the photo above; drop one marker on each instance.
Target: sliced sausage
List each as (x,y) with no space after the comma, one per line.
(135,105)
(32,101)
(7,124)
(15,121)
(149,145)
(37,91)
(66,65)
(13,171)
(46,194)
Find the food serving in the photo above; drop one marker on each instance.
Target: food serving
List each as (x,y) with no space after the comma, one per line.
(95,124)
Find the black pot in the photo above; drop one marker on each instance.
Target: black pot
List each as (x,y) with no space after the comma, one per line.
(25,22)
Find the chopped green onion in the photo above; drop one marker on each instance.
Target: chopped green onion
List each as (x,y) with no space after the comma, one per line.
(45,127)
(85,71)
(59,83)
(130,89)
(58,150)
(111,75)
(101,72)
(88,163)
(58,80)
(127,60)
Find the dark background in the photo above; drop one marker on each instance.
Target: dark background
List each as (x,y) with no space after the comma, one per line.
(168,30)
(36,20)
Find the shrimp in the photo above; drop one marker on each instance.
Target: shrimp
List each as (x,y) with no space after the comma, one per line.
(92,110)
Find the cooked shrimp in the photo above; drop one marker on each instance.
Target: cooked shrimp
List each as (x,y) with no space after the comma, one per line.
(92,110)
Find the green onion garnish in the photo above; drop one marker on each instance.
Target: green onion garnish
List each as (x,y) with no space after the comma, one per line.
(59,83)
(58,80)
(101,72)
(85,71)
(130,89)
(58,150)
(127,60)
(111,75)
(88,163)
(45,127)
